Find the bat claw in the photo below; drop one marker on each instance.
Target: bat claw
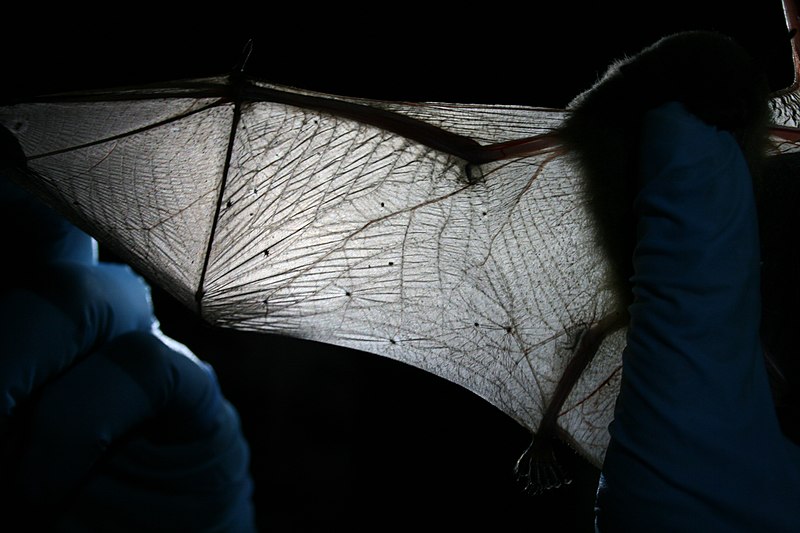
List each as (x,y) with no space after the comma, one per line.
(538,470)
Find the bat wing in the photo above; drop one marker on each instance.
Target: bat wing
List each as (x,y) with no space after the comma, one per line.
(451,237)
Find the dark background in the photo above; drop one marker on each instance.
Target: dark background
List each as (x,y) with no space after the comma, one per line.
(341,439)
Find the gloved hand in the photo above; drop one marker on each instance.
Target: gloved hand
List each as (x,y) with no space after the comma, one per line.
(137,437)
(695,441)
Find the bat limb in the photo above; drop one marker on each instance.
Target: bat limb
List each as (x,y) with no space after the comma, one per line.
(537,469)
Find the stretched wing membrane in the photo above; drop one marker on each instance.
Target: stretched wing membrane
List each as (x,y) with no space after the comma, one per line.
(141,175)
(275,216)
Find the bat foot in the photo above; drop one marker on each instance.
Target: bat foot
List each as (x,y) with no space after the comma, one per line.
(538,470)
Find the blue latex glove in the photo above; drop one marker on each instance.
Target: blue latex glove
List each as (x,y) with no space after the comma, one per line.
(695,442)
(63,312)
(138,437)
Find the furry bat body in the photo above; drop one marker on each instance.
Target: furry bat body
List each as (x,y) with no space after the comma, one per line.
(710,74)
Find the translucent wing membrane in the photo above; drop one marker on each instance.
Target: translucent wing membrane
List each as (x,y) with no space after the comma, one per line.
(328,226)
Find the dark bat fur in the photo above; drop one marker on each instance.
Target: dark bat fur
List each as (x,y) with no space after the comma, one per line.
(710,74)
